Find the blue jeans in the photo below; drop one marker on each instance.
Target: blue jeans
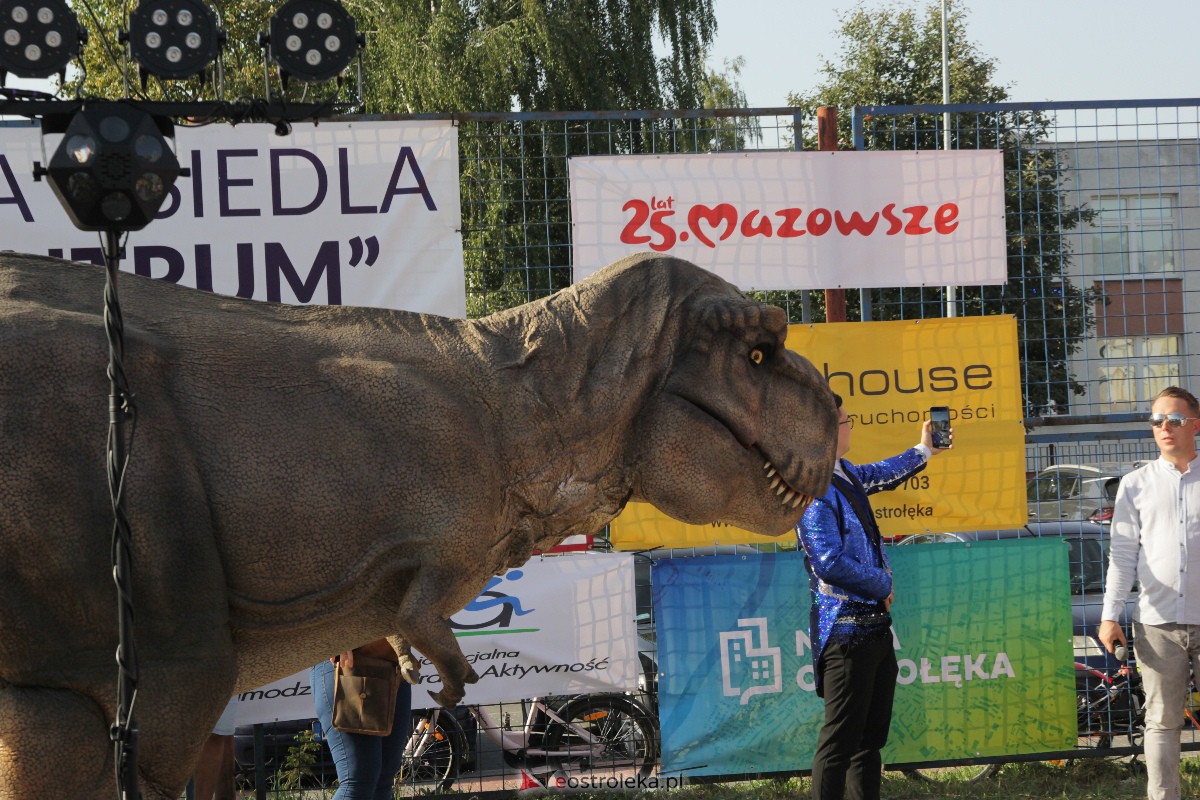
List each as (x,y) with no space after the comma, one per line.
(366,765)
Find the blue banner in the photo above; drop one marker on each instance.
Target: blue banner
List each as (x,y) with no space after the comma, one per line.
(982,634)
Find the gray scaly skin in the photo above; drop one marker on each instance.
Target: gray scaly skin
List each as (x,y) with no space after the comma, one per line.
(307,479)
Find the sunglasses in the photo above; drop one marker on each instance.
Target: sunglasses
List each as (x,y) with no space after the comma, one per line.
(1173,420)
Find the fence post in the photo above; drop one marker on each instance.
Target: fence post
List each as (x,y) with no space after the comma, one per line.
(835,299)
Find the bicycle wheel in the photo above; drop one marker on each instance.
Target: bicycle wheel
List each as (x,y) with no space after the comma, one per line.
(967,774)
(603,732)
(435,751)
(1093,709)
(930,538)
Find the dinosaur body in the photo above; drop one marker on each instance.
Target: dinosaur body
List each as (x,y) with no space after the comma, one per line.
(306,479)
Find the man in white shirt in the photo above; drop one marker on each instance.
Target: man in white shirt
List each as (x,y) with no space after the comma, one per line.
(1155,540)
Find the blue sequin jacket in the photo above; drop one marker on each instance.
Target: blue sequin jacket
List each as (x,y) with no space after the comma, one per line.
(850,578)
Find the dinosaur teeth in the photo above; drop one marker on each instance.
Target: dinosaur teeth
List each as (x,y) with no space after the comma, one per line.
(788,496)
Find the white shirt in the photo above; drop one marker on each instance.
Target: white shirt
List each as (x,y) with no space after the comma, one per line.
(1155,538)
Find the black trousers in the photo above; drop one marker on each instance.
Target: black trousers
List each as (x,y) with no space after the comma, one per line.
(859,685)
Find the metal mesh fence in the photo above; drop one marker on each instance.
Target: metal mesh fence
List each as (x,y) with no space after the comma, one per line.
(1102,234)
(516,207)
(1102,227)
(1102,215)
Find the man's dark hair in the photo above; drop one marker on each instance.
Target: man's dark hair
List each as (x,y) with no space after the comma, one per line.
(837,399)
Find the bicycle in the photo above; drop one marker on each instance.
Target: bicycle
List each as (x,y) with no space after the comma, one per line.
(1112,705)
(435,752)
(597,732)
(1109,706)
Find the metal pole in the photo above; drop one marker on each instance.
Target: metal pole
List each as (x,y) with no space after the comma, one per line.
(951,291)
(835,299)
(124,734)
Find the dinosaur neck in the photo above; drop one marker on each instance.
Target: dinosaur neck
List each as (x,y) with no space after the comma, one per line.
(569,381)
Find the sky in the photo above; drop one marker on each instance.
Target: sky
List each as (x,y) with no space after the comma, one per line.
(1044,49)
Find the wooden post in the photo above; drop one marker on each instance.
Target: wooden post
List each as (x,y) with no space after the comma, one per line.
(827,139)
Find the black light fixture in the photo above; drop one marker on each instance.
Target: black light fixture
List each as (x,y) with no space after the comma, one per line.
(114,166)
(173,39)
(312,40)
(38,38)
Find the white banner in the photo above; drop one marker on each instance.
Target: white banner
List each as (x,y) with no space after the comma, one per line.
(341,213)
(555,626)
(798,220)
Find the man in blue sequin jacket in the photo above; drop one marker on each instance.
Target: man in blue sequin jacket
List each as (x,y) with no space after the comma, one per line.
(851,586)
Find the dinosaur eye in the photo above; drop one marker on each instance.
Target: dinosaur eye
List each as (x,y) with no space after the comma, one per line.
(756,355)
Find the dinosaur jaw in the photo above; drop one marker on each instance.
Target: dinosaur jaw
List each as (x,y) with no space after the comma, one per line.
(789,497)
(700,467)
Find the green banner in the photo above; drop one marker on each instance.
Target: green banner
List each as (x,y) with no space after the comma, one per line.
(982,634)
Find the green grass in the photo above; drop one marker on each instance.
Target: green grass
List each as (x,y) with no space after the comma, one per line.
(1093,779)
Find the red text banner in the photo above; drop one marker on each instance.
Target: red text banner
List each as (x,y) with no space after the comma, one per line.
(798,220)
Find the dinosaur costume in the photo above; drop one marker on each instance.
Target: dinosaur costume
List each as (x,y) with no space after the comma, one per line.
(306,479)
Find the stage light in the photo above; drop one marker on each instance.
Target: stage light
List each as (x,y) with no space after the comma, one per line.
(113,168)
(173,39)
(38,38)
(312,40)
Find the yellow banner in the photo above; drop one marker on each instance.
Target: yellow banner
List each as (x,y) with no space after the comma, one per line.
(889,374)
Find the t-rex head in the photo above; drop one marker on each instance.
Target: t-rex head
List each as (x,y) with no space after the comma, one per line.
(739,429)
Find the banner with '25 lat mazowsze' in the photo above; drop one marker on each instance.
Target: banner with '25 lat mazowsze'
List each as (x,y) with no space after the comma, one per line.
(812,220)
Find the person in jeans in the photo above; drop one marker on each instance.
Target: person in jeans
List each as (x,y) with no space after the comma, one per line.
(851,585)
(1155,541)
(366,765)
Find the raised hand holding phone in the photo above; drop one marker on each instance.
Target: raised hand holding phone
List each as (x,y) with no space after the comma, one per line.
(939,426)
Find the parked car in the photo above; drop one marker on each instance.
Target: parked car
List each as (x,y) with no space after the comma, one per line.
(1087,558)
(1076,491)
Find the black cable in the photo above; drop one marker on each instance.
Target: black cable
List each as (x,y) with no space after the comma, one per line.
(120,409)
(112,56)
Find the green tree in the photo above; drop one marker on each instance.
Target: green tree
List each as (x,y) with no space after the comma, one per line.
(893,56)
(454,56)
(723,90)
(534,55)
(446,56)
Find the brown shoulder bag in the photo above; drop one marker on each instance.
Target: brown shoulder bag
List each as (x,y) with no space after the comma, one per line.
(364,696)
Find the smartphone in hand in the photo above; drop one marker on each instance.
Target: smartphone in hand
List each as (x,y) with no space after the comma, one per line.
(939,418)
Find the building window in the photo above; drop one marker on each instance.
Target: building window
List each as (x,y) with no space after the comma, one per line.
(1133,369)
(1136,234)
